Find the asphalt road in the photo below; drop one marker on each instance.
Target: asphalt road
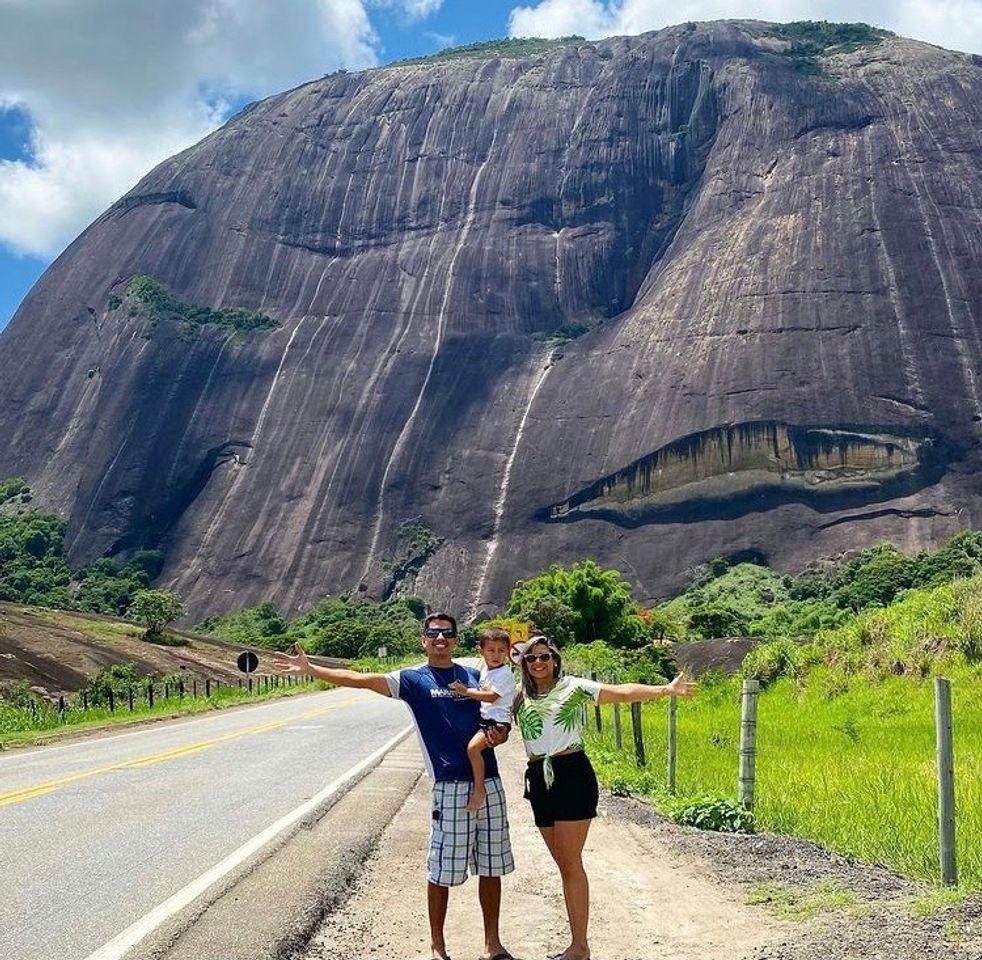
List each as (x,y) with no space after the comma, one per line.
(96,834)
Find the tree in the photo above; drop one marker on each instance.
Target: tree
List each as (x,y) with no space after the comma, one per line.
(341,638)
(551,617)
(718,620)
(662,625)
(600,600)
(155,609)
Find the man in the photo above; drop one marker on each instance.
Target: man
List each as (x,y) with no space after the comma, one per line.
(445,724)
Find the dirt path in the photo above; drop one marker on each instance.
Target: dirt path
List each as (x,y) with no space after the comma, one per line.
(648,902)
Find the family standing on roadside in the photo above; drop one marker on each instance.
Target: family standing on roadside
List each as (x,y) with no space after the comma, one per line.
(460,716)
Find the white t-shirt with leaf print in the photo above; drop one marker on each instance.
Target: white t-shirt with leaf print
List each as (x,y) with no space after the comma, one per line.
(555,722)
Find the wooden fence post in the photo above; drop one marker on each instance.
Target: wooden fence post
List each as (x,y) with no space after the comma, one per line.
(618,735)
(85,701)
(638,734)
(129,697)
(112,700)
(748,742)
(596,709)
(208,686)
(673,706)
(946,781)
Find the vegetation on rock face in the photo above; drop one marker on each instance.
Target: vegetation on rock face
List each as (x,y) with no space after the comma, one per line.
(34,567)
(811,39)
(161,305)
(335,627)
(563,334)
(415,544)
(14,489)
(509,48)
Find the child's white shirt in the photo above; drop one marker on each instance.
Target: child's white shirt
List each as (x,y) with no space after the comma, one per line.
(502,681)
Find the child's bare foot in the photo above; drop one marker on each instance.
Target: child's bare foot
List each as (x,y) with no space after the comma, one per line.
(478,796)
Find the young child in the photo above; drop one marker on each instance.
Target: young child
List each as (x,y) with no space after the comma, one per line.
(496,694)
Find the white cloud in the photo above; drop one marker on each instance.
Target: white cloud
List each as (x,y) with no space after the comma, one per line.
(421,8)
(442,40)
(950,23)
(563,18)
(110,93)
(412,9)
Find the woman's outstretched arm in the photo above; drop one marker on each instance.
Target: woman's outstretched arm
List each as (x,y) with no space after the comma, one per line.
(638,692)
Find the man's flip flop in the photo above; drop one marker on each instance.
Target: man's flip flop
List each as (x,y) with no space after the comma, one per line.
(502,956)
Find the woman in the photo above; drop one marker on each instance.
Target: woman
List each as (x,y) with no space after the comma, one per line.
(560,782)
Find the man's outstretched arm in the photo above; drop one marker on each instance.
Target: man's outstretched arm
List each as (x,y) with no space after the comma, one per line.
(299,663)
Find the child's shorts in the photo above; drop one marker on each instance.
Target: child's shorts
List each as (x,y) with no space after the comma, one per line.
(487,724)
(462,841)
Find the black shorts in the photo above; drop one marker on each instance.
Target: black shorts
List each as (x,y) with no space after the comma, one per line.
(573,794)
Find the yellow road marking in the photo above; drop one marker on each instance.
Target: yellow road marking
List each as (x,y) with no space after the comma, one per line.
(39,789)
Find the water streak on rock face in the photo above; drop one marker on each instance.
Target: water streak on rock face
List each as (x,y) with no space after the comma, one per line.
(786,267)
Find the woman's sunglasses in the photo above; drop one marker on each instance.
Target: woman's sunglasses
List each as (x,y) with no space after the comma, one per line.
(541,657)
(434,632)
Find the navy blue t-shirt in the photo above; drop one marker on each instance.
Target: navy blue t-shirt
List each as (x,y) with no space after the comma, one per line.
(445,723)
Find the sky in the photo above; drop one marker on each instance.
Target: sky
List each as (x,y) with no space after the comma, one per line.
(92,96)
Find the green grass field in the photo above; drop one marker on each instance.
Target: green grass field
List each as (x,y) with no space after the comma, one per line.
(849,764)
(19,725)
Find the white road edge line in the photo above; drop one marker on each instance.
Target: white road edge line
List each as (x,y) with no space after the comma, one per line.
(134,933)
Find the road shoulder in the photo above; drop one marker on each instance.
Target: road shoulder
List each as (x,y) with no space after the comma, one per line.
(649,902)
(270,909)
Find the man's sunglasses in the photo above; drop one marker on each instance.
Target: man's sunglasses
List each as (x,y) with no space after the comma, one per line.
(541,657)
(433,632)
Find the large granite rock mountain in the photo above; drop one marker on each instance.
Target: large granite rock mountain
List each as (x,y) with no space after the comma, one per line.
(777,262)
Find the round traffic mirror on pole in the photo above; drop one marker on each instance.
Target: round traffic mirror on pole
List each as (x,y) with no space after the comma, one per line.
(247,661)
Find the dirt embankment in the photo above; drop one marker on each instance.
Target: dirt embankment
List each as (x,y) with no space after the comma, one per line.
(59,651)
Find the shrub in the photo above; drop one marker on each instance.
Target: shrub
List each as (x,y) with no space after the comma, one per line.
(710,812)
(649,664)
(14,488)
(620,786)
(779,658)
(162,305)
(810,39)
(507,47)
(968,600)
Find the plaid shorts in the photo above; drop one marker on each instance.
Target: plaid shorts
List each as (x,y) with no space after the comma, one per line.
(460,840)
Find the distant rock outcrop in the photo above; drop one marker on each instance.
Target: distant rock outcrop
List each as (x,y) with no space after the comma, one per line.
(771,249)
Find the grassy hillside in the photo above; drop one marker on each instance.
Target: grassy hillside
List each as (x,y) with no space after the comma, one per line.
(847,761)
(845,729)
